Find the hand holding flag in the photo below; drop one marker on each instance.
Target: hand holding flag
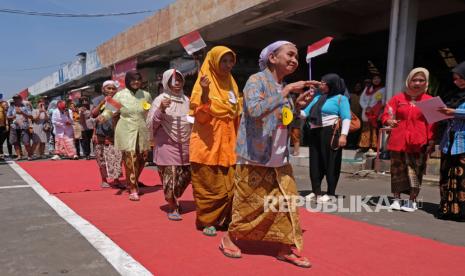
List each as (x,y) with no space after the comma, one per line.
(111,107)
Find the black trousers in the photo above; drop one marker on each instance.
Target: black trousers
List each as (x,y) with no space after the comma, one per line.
(86,140)
(5,135)
(324,160)
(77,146)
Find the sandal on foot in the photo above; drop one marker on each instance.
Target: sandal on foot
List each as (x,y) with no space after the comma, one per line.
(134,197)
(209,231)
(104,184)
(174,216)
(295,260)
(229,252)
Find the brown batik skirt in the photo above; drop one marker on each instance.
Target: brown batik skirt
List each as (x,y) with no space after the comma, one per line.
(213,192)
(250,219)
(175,180)
(109,160)
(368,136)
(134,163)
(452,187)
(407,170)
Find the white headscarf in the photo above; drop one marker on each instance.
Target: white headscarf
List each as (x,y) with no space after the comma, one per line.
(268,50)
(174,121)
(416,71)
(110,82)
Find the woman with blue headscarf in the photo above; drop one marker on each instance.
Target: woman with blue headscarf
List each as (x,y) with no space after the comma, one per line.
(263,171)
(324,113)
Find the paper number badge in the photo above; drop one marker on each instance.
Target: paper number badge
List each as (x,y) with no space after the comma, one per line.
(146,105)
(287,115)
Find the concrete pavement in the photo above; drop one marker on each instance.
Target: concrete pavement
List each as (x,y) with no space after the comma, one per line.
(35,240)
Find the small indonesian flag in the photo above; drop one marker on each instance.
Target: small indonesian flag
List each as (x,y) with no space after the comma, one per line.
(111,104)
(24,94)
(74,95)
(318,48)
(192,42)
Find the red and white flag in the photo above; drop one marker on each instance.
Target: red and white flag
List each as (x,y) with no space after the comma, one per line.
(24,94)
(76,95)
(318,48)
(192,42)
(111,104)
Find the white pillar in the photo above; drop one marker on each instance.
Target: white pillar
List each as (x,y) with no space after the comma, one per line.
(401,52)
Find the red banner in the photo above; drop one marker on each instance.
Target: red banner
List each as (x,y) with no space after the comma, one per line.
(120,69)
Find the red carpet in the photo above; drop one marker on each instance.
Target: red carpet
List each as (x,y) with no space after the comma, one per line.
(336,246)
(65,176)
(70,176)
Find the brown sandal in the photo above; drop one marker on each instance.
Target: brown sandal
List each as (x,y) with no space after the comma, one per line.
(295,259)
(229,252)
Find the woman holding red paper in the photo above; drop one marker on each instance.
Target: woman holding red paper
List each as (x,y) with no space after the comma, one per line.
(410,141)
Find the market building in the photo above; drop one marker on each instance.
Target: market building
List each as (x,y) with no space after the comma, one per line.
(391,36)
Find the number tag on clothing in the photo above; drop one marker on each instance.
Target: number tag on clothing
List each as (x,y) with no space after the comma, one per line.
(378,96)
(287,115)
(190,119)
(232,97)
(146,105)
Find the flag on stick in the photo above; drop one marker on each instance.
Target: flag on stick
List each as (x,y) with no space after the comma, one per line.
(24,94)
(192,42)
(111,104)
(318,48)
(74,95)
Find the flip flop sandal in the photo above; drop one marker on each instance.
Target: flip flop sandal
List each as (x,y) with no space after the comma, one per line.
(297,261)
(209,231)
(134,197)
(105,185)
(175,216)
(230,253)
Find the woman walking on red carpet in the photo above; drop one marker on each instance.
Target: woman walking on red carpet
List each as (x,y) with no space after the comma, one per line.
(131,133)
(62,120)
(169,125)
(107,156)
(263,169)
(215,106)
(411,139)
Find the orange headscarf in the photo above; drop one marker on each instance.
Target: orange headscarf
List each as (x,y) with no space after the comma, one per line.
(220,87)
